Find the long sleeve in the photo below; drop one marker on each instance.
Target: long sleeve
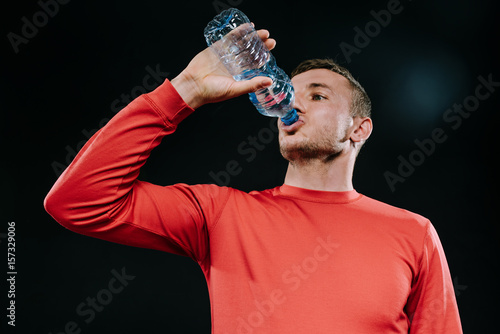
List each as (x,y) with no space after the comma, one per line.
(432,306)
(99,195)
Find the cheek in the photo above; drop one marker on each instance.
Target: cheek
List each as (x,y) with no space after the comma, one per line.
(333,128)
(326,120)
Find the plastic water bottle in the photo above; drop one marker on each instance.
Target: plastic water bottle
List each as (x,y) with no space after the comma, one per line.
(232,37)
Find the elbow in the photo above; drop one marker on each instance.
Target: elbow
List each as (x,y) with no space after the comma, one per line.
(66,209)
(75,210)
(54,205)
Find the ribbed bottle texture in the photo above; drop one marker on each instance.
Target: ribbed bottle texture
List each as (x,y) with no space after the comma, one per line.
(232,37)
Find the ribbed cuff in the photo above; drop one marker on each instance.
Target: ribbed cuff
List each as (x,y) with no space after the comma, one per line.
(167,100)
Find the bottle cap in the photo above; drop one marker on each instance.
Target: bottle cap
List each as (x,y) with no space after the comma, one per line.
(290,118)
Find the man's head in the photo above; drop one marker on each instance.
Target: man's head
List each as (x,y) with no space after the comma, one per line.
(334,113)
(360,102)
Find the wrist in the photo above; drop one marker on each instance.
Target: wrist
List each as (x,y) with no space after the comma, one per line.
(187,89)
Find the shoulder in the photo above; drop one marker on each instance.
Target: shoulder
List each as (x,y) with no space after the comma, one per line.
(219,192)
(391,213)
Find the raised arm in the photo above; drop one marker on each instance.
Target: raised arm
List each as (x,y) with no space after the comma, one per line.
(99,194)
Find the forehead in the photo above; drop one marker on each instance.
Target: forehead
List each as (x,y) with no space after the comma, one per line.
(335,81)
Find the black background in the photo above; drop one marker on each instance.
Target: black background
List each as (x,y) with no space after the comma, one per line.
(63,81)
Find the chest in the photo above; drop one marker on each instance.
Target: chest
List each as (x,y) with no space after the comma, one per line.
(325,258)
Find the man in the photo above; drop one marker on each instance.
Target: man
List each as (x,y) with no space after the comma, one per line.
(310,256)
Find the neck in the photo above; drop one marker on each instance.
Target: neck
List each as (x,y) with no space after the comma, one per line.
(316,174)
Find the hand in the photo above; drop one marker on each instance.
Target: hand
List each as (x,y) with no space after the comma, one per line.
(206,80)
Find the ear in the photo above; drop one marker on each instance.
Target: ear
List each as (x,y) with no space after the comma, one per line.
(363,127)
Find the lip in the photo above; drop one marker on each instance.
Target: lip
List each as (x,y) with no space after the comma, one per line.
(292,127)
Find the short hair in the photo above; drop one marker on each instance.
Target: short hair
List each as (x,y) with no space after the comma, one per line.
(360,105)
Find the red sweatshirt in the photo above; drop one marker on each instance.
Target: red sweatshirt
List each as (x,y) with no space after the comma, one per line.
(283,260)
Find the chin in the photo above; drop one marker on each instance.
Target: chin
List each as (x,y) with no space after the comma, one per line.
(302,149)
(290,144)
(297,150)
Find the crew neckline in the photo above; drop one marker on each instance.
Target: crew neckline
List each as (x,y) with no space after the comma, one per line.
(320,196)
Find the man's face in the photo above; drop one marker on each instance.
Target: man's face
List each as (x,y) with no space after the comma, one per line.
(322,100)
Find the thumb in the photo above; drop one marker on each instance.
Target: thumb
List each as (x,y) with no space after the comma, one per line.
(252,85)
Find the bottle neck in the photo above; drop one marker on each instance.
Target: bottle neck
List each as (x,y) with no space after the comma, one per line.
(290,118)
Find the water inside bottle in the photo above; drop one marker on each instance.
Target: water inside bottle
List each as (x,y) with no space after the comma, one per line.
(232,37)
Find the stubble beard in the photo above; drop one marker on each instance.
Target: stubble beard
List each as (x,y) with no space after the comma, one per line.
(303,151)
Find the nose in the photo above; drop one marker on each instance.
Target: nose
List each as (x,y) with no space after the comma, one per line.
(298,106)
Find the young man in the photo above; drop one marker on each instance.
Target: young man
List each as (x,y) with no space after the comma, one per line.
(310,256)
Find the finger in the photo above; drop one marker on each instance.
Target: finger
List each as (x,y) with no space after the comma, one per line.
(250,86)
(270,43)
(263,33)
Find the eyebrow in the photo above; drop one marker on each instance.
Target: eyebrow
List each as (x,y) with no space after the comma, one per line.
(320,85)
